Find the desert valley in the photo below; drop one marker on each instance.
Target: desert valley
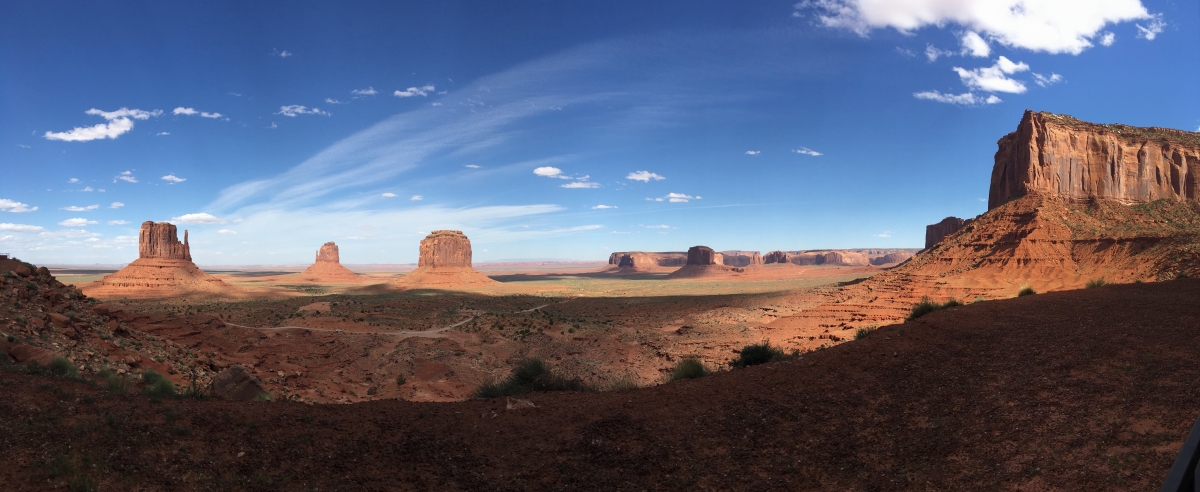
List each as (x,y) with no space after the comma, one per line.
(1019,377)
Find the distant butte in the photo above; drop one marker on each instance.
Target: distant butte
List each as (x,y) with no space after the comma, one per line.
(164,268)
(328,267)
(445,263)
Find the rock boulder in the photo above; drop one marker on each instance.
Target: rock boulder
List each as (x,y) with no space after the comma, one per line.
(237,384)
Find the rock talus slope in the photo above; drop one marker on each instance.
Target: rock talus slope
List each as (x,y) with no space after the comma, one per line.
(1059,155)
(445,263)
(164,268)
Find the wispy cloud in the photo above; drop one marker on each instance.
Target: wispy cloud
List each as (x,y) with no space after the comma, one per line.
(644,176)
(807,151)
(550,172)
(160,134)
(116,205)
(753,152)
(172,179)
(227,232)
(964,99)
(603,207)
(1152,29)
(389,195)
(660,226)
(192,112)
(281,54)
(119,122)
(369,91)
(73,180)
(580,184)
(472,166)
(77,222)
(417,198)
(294,110)
(20,227)
(118,222)
(1044,81)
(884,234)
(415,91)
(7,205)
(674,198)
(74,208)
(330,100)
(1108,38)
(198,218)
(88,189)
(126,176)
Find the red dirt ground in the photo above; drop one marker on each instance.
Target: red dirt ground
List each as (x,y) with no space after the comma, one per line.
(1078,390)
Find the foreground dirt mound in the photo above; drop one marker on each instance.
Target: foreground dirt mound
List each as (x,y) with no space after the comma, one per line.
(164,268)
(328,267)
(445,263)
(1081,390)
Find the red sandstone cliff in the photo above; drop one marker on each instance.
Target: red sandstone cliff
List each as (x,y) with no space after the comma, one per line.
(163,269)
(640,261)
(741,258)
(160,240)
(934,233)
(328,267)
(445,263)
(1058,155)
(328,253)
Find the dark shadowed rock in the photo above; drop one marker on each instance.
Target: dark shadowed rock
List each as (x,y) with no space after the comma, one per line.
(701,255)
(237,384)
(776,257)
(934,233)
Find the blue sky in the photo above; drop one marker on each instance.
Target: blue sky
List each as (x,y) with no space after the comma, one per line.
(561,130)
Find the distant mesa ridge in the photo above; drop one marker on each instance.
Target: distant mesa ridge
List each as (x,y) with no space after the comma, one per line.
(1058,155)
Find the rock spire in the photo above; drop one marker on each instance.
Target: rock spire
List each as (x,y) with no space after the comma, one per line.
(160,240)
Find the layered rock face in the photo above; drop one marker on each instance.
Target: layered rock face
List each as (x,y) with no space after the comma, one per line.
(775,257)
(445,263)
(934,233)
(1058,155)
(890,258)
(163,269)
(701,255)
(328,267)
(741,258)
(702,261)
(646,261)
(160,240)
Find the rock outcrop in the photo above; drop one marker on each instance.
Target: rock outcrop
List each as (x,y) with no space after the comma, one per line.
(776,257)
(741,258)
(238,384)
(701,255)
(702,261)
(934,233)
(445,263)
(328,267)
(891,258)
(1058,155)
(164,268)
(640,261)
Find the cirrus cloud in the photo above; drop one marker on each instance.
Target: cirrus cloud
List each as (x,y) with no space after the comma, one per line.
(197,218)
(644,176)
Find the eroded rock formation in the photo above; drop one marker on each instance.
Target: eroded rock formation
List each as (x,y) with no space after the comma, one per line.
(1061,156)
(776,257)
(701,255)
(934,233)
(445,263)
(646,261)
(890,258)
(164,268)
(741,258)
(328,267)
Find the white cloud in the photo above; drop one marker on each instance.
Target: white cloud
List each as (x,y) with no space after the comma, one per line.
(330,100)
(994,78)
(172,179)
(116,205)
(1049,26)
(273,126)
(603,207)
(417,198)
(20,227)
(662,226)
(674,198)
(369,91)
(119,122)
(550,172)
(77,222)
(23,146)
(1154,28)
(73,180)
(118,222)
(581,184)
(753,152)
(964,99)
(389,195)
(905,52)
(644,176)
(192,111)
(415,91)
(88,189)
(620,232)
(7,205)
(159,134)
(281,54)
(228,232)
(1044,81)
(200,218)
(436,103)
(933,53)
(884,234)
(295,109)
(126,176)
(74,208)
(472,166)
(807,151)
(1108,38)
(974,45)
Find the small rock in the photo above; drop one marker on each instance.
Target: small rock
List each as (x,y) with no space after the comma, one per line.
(517,404)
(237,384)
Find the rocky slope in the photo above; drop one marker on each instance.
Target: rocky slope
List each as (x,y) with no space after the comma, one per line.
(1061,156)
(164,268)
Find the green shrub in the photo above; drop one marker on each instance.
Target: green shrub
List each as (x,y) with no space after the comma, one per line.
(927,306)
(30,285)
(117,384)
(162,388)
(400,380)
(151,376)
(1026,291)
(20,321)
(862,333)
(530,375)
(689,368)
(759,353)
(63,367)
(626,382)
(1096,282)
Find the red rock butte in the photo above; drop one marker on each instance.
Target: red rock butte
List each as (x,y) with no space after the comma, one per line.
(328,267)
(702,261)
(934,233)
(445,263)
(640,261)
(164,268)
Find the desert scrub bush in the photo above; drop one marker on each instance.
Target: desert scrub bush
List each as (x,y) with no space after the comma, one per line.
(758,353)
(1096,282)
(117,384)
(864,332)
(63,368)
(624,382)
(689,368)
(927,306)
(530,375)
(158,386)
(1026,291)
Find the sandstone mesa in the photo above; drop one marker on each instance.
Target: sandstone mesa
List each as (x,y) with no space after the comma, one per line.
(164,268)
